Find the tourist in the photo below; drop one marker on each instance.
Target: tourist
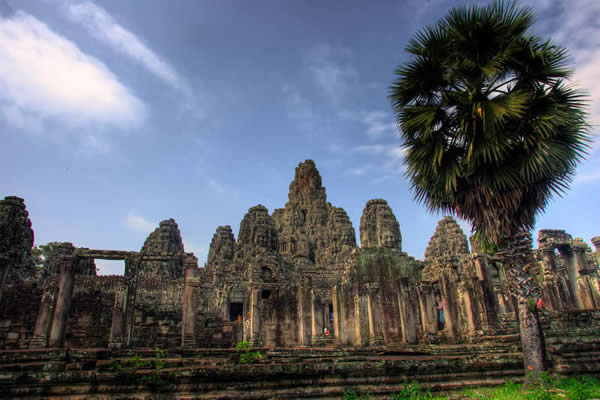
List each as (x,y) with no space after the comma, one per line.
(440,310)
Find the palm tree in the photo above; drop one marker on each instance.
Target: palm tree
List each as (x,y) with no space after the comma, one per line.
(491,133)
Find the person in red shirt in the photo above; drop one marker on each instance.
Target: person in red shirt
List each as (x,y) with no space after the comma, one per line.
(539,304)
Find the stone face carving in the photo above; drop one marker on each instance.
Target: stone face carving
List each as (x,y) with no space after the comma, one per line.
(313,234)
(222,246)
(258,229)
(165,240)
(379,227)
(448,240)
(16,240)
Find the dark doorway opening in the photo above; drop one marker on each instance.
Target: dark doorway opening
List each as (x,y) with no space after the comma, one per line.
(265,293)
(236,311)
(331,314)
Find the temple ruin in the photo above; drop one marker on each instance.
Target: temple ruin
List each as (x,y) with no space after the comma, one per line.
(293,278)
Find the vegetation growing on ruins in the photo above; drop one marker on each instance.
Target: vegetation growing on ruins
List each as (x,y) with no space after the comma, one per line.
(491,133)
(246,355)
(546,388)
(129,370)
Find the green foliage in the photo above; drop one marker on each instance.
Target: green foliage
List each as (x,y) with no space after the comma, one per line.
(580,387)
(545,388)
(243,346)
(412,391)
(352,395)
(127,370)
(247,356)
(490,129)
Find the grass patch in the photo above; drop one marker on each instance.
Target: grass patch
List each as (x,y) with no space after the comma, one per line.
(547,388)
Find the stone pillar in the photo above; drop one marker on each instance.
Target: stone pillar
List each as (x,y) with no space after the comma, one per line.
(304,316)
(117,327)
(573,267)
(63,302)
(132,270)
(548,257)
(255,337)
(407,314)
(596,242)
(337,325)
(449,310)
(45,315)
(317,323)
(188,329)
(375,318)
(4,266)
(361,320)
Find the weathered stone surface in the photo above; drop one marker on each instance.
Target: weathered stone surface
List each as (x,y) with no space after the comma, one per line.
(258,229)
(314,235)
(165,240)
(448,240)
(296,278)
(379,227)
(16,240)
(222,246)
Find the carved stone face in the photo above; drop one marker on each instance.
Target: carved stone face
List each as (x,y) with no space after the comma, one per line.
(261,238)
(387,240)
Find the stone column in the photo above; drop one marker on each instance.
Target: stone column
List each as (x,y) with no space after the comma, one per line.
(45,315)
(361,320)
(63,302)
(573,267)
(117,327)
(4,266)
(408,316)
(304,316)
(548,257)
(375,317)
(255,336)
(317,323)
(337,324)
(132,267)
(188,338)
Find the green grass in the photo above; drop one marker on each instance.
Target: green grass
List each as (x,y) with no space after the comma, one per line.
(547,388)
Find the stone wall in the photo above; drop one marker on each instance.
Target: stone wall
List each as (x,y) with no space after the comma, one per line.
(296,277)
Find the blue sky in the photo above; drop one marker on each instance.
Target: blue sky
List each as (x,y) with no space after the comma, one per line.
(116,115)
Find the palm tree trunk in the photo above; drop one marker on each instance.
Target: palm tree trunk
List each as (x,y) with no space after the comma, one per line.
(532,341)
(517,257)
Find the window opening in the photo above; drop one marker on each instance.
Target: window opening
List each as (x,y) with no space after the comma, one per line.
(236,311)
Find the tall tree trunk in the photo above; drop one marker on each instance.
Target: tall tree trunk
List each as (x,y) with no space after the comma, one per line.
(532,341)
(517,257)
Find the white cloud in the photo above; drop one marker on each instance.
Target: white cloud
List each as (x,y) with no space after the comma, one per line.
(574,25)
(45,76)
(332,74)
(378,123)
(140,224)
(215,185)
(387,163)
(193,247)
(587,178)
(101,25)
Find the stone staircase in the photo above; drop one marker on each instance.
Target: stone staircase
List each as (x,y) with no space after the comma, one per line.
(308,373)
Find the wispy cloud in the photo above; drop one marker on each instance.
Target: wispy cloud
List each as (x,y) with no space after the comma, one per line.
(140,224)
(386,160)
(103,26)
(44,76)
(574,25)
(332,71)
(217,187)
(192,247)
(378,124)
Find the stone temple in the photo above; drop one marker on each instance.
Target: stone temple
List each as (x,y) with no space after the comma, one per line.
(294,279)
